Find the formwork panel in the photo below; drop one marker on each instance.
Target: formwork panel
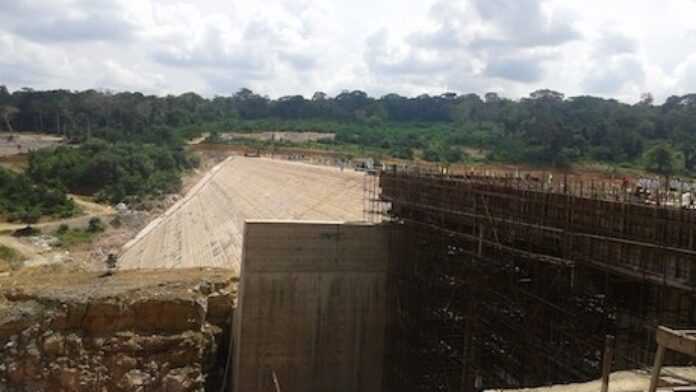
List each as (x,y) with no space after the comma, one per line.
(312,306)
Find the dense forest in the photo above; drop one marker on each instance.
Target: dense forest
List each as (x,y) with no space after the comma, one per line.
(112,158)
(545,128)
(21,199)
(112,172)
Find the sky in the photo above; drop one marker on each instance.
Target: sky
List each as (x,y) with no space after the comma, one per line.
(611,48)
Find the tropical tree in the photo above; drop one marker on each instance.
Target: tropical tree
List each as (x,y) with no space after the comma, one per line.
(660,159)
(8,112)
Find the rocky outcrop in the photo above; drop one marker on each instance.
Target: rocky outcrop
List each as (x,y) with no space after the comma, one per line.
(169,336)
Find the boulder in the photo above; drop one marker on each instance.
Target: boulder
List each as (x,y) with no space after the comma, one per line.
(120,365)
(54,345)
(135,380)
(181,380)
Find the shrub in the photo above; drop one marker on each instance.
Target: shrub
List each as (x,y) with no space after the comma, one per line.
(22,199)
(95,225)
(10,259)
(112,172)
(116,222)
(62,229)
(8,254)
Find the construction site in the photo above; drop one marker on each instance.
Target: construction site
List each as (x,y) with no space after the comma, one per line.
(406,278)
(503,282)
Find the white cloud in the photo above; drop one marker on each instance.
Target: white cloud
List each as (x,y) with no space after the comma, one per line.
(246,48)
(614,75)
(471,44)
(31,64)
(685,76)
(279,47)
(614,43)
(115,76)
(69,21)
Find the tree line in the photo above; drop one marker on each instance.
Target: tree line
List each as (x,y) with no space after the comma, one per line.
(545,128)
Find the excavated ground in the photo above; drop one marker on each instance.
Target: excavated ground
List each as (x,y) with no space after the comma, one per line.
(68,330)
(21,143)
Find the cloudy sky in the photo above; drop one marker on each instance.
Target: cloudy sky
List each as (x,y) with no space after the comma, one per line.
(612,48)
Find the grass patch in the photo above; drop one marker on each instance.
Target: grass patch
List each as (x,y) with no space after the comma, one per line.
(10,255)
(69,238)
(10,259)
(74,237)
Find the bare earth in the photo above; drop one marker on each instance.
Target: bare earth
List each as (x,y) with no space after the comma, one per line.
(292,137)
(204,229)
(19,143)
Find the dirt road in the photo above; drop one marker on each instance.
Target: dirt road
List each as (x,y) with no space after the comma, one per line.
(90,208)
(34,254)
(204,229)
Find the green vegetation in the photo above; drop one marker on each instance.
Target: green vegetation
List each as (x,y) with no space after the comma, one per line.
(439,141)
(73,237)
(69,238)
(545,128)
(660,159)
(95,225)
(112,171)
(9,255)
(129,148)
(21,199)
(10,259)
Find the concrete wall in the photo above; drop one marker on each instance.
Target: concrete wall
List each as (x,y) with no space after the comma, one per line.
(311,310)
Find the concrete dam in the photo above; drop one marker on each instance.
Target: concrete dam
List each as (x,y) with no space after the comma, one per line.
(462,282)
(473,281)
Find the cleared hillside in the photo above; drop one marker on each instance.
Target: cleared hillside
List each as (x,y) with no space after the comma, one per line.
(204,229)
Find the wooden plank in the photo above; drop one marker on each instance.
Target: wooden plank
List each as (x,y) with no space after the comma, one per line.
(679,341)
(607,361)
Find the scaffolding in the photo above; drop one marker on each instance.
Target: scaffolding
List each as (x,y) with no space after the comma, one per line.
(501,282)
(374,208)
